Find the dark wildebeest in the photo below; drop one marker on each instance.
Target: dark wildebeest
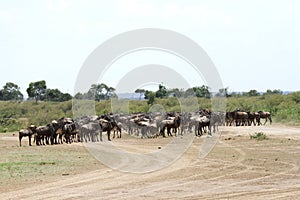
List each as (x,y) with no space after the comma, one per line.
(229,118)
(253,118)
(169,124)
(27,132)
(106,126)
(265,115)
(45,133)
(70,131)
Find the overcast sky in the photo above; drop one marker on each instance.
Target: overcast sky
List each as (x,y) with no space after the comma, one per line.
(254,44)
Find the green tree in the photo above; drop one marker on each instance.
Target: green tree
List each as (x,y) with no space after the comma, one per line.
(253,93)
(101,92)
(270,92)
(110,92)
(162,91)
(79,95)
(189,92)
(57,95)
(175,92)
(150,96)
(10,91)
(202,91)
(37,90)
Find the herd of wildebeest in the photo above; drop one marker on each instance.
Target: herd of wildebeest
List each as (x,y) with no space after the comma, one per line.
(144,125)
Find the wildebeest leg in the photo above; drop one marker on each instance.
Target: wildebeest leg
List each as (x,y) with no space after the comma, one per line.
(162,131)
(266,121)
(101,135)
(270,119)
(108,135)
(43,139)
(20,139)
(29,138)
(169,131)
(209,130)
(201,130)
(52,139)
(60,139)
(36,139)
(175,131)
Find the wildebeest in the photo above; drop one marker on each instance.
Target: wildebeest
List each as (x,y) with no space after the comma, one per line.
(27,132)
(117,129)
(106,126)
(266,116)
(44,133)
(203,122)
(238,116)
(253,118)
(169,124)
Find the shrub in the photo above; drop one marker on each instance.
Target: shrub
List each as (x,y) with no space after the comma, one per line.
(259,136)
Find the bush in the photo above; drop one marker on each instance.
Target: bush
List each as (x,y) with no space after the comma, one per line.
(259,136)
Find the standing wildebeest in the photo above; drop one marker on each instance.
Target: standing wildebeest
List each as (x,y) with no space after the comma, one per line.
(45,132)
(253,118)
(265,115)
(106,126)
(229,118)
(203,121)
(117,129)
(27,132)
(241,118)
(169,124)
(70,131)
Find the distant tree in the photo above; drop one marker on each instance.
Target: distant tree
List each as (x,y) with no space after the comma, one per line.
(269,92)
(252,93)
(110,92)
(175,92)
(202,91)
(189,92)
(37,90)
(57,95)
(141,92)
(223,92)
(150,96)
(100,92)
(162,91)
(78,95)
(10,91)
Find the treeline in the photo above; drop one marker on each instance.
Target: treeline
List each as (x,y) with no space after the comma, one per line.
(39,91)
(36,90)
(200,92)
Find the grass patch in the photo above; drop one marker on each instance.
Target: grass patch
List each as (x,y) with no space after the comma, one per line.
(259,136)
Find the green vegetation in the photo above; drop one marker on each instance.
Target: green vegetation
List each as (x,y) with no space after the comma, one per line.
(259,136)
(46,104)
(15,115)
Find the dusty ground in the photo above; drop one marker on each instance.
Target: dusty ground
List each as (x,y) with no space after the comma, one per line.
(236,168)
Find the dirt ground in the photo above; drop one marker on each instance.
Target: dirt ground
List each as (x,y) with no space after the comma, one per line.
(237,168)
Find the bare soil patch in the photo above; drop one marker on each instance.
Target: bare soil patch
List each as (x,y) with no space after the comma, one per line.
(237,168)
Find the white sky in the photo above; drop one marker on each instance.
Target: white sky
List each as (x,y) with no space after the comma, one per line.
(254,44)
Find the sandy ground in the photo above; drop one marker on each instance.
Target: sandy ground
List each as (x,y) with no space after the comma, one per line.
(236,168)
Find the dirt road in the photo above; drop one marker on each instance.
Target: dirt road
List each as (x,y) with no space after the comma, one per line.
(236,168)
